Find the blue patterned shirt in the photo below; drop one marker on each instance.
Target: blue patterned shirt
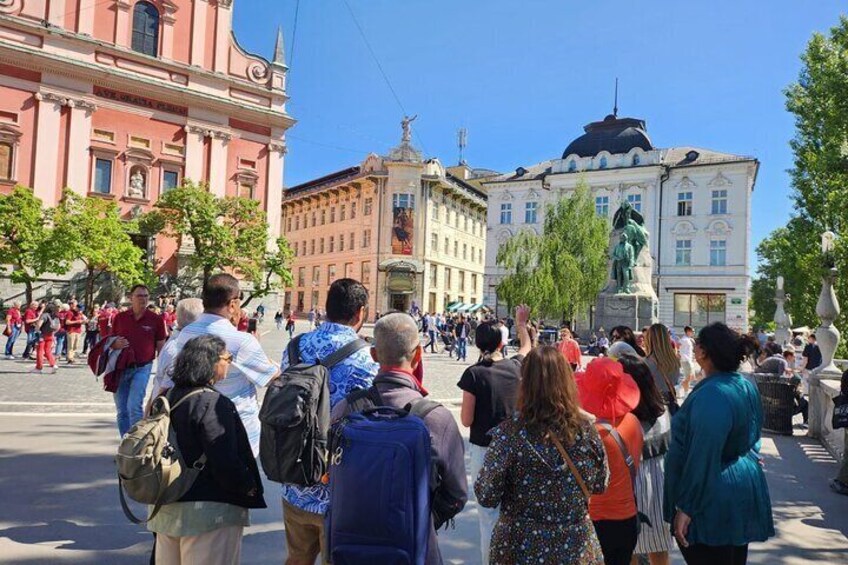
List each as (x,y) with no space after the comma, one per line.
(357,371)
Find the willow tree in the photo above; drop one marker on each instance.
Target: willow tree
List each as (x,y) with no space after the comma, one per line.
(560,271)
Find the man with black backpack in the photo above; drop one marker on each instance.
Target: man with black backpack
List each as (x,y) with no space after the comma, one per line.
(360,530)
(304,506)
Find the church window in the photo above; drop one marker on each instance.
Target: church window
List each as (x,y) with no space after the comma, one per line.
(572,166)
(170,180)
(636,160)
(103,176)
(6,155)
(246,191)
(145,30)
(603,163)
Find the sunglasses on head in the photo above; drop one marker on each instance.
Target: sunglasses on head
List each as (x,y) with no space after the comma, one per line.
(227,357)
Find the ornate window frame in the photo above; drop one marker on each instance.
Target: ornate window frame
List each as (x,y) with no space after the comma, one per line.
(10,134)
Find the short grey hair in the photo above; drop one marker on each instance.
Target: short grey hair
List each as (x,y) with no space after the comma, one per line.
(395,338)
(188,311)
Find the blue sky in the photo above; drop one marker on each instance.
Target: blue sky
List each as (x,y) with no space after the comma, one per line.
(525,76)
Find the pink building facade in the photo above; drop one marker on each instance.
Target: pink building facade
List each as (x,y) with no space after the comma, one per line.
(123,99)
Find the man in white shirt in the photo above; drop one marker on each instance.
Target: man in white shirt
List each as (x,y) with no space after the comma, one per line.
(687,357)
(504,336)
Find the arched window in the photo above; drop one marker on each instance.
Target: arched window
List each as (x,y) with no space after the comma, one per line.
(636,159)
(572,166)
(603,164)
(145,34)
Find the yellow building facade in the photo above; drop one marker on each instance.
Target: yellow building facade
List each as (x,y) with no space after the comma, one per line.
(412,231)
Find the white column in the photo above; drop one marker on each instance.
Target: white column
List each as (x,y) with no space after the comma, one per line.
(218,164)
(78,145)
(56,13)
(168,21)
(274,191)
(194,153)
(223,26)
(47,148)
(198,32)
(85,23)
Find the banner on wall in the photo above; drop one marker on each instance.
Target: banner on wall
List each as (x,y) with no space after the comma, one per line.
(403,231)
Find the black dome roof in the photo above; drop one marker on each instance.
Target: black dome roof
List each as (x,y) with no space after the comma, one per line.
(613,134)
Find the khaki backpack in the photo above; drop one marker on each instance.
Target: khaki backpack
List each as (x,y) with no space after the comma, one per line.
(150,466)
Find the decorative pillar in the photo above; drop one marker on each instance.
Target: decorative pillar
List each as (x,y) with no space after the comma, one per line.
(122,23)
(168,21)
(198,32)
(85,24)
(56,13)
(274,190)
(218,163)
(194,153)
(47,147)
(781,319)
(78,146)
(223,27)
(827,337)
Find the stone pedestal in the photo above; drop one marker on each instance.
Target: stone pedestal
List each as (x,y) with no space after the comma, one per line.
(632,310)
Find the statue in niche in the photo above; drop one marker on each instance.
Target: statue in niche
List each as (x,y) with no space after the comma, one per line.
(137,185)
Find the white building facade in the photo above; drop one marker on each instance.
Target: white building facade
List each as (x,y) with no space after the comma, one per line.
(696,204)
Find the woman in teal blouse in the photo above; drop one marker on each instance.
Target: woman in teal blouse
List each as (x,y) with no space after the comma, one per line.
(716,496)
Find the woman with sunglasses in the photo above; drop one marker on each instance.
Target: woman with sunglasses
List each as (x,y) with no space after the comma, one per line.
(206,524)
(716,496)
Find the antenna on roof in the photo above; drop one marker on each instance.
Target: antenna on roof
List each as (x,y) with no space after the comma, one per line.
(461,142)
(615,106)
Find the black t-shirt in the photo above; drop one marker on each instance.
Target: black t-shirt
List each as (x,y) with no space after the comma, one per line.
(495,389)
(813,355)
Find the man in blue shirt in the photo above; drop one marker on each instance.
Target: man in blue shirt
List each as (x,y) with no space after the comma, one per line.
(304,507)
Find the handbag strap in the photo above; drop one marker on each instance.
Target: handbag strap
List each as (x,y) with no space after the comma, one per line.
(628,458)
(571,466)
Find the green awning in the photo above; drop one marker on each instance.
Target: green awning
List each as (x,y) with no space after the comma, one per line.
(454,306)
(474,307)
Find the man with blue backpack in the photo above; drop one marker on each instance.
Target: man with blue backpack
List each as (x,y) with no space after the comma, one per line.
(336,346)
(397,461)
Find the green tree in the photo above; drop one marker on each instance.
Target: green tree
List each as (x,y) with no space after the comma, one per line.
(559,272)
(93,230)
(228,234)
(819,103)
(27,240)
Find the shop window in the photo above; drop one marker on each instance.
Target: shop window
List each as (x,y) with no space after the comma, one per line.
(699,310)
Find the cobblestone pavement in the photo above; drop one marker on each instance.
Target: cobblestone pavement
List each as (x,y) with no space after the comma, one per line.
(60,502)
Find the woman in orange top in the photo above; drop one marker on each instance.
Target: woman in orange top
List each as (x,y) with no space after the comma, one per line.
(569,348)
(609,393)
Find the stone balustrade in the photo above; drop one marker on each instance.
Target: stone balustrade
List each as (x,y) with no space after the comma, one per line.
(822,392)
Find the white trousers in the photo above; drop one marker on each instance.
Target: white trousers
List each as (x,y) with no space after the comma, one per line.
(486,516)
(218,547)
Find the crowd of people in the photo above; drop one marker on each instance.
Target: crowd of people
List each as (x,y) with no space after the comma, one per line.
(653,443)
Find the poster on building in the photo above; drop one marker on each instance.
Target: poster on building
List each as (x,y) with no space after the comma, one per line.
(402,231)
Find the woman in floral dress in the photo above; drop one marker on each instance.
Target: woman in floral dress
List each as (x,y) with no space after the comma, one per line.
(544,508)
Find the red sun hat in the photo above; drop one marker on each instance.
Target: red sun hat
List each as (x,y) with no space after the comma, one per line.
(606,391)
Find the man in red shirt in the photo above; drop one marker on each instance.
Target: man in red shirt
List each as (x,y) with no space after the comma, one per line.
(170,318)
(105,319)
(143,332)
(74,321)
(31,316)
(14,324)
